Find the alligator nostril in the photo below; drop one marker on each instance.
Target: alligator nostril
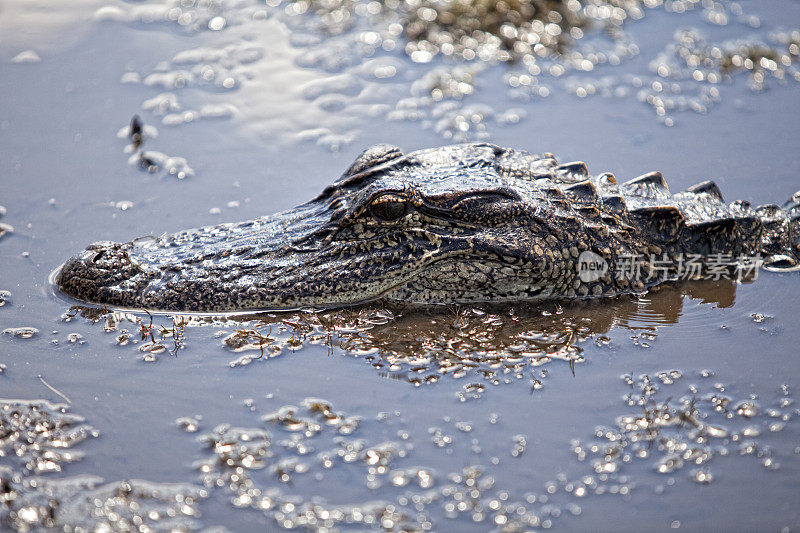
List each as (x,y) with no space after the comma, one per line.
(98,274)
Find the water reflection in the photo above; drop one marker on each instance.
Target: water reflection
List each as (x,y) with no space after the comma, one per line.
(488,344)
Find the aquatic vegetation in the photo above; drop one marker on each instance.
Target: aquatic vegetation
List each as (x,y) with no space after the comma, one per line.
(149,337)
(84,503)
(238,454)
(36,436)
(510,30)
(262,468)
(505,31)
(259,468)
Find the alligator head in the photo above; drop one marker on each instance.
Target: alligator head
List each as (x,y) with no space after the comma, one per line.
(442,225)
(456,224)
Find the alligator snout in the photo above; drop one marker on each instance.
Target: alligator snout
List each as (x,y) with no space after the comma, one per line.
(95,271)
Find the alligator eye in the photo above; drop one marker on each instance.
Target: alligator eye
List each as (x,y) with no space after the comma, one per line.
(389,208)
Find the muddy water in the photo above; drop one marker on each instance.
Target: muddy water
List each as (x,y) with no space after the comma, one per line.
(676,410)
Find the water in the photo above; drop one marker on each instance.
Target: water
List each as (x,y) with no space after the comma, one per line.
(469,420)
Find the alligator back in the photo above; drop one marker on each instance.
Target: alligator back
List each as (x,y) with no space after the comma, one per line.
(696,221)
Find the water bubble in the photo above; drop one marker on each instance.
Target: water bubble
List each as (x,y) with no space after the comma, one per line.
(216,23)
(702,476)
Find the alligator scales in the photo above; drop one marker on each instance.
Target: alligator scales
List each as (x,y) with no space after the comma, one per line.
(457,224)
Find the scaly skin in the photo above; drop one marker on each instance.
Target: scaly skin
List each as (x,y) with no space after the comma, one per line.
(456,224)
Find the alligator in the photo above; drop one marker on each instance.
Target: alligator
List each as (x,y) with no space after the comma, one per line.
(456,224)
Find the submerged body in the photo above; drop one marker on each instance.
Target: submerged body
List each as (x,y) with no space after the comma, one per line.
(457,224)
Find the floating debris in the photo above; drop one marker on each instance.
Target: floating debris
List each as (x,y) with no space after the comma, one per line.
(75,338)
(291,419)
(153,161)
(38,438)
(5,229)
(123,205)
(257,467)
(520,444)
(53,389)
(38,435)
(690,73)
(137,132)
(188,423)
(23,332)
(675,434)
(503,31)
(354,48)
(82,503)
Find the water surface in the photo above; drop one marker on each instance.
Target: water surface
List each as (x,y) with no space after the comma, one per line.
(474,418)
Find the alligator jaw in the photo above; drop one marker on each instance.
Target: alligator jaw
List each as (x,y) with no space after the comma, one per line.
(279,262)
